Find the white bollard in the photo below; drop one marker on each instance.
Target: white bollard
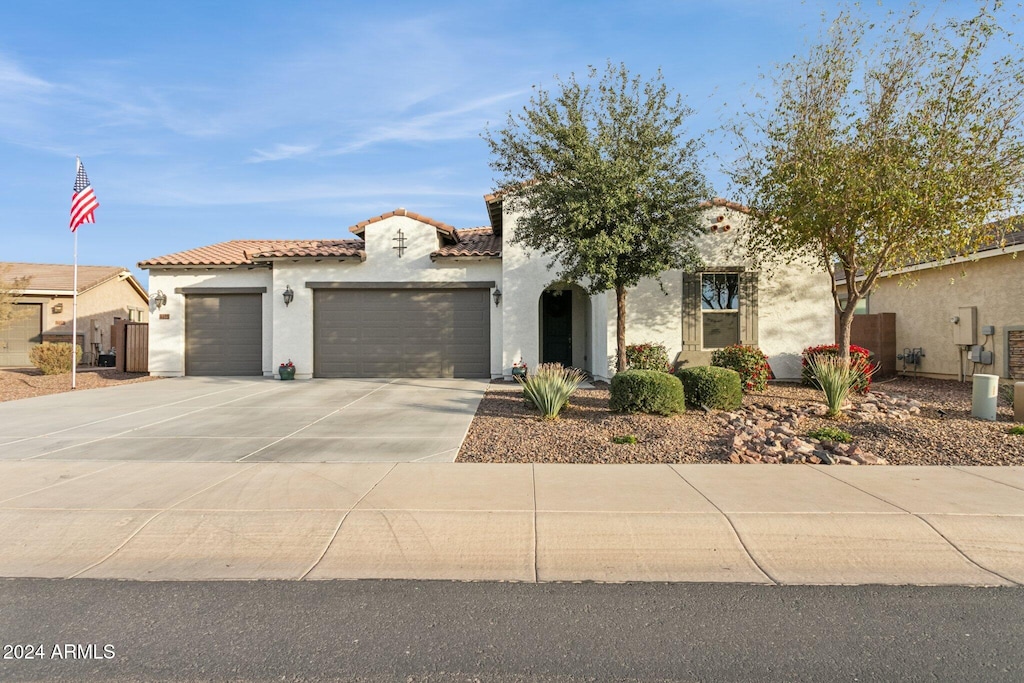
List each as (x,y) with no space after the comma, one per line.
(985,398)
(1018,402)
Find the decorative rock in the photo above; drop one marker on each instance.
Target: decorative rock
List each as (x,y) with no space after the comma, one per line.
(843,460)
(813,459)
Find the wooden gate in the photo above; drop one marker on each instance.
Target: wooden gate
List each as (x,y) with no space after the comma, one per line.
(131,346)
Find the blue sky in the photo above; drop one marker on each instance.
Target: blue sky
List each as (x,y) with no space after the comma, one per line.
(200,122)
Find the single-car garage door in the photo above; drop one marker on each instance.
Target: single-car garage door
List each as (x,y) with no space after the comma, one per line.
(224,334)
(401,333)
(22,333)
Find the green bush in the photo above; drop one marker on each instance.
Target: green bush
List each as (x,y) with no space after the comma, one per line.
(1017,430)
(624,439)
(549,387)
(831,434)
(54,359)
(647,356)
(749,361)
(647,391)
(707,386)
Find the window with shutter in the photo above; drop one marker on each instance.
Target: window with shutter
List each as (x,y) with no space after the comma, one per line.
(719,309)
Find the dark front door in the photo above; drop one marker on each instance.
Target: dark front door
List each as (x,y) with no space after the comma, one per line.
(556,317)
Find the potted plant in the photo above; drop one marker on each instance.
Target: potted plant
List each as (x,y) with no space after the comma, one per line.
(287,370)
(519,369)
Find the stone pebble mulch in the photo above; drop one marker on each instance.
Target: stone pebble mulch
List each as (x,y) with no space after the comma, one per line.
(770,433)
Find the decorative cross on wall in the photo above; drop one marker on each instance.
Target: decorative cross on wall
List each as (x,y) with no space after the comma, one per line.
(401,243)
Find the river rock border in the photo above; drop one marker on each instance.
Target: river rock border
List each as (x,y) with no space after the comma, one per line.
(769,433)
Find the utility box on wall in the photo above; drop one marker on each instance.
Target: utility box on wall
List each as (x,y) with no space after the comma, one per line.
(965,331)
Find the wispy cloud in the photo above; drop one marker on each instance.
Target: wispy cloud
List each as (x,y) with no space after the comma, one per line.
(279,152)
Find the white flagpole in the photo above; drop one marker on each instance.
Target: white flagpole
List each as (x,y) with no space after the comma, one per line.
(74,317)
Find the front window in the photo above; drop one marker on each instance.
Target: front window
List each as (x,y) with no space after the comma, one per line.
(720,309)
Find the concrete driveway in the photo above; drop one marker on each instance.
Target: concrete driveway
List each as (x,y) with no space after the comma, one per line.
(199,419)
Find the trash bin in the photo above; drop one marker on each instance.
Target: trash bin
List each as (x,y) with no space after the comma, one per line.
(985,398)
(107,360)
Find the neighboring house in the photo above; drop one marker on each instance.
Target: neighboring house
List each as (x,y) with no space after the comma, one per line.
(104,293)
(933,304)
(412,296)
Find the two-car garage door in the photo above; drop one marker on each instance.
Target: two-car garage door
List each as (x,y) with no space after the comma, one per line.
(401,333)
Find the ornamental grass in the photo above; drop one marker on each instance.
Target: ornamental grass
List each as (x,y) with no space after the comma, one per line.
(837,377)
(549,387)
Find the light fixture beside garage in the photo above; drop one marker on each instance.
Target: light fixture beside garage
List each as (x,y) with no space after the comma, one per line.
(497,296)
(289,295)
(159,299)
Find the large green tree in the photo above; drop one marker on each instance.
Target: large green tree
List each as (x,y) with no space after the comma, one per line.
(888,144)
(608,183)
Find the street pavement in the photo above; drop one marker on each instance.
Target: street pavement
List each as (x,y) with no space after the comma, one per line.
(433,632)
(528,523)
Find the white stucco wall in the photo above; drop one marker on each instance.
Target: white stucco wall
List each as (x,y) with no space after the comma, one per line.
(795,307)
(167,337)
(293,335)
(288,331)
(526,276)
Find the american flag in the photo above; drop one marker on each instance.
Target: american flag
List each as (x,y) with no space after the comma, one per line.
(83,201)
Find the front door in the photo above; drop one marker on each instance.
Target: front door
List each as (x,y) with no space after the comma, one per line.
(556,318)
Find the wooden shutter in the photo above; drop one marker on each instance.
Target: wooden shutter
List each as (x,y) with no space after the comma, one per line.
(691,312)
(748,308)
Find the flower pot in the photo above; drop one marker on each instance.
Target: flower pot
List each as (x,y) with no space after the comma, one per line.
(519,372)
(286,372)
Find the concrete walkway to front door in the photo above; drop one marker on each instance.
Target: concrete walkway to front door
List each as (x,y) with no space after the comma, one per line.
(220,419)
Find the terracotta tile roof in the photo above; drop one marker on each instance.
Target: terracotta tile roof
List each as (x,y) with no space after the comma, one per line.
(358,228)
(472,242)
(60,277)
(720,202)
(314,248)
(243,252)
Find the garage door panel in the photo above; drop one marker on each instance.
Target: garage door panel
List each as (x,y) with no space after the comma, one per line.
(21,335)
(224,334)
(401,333)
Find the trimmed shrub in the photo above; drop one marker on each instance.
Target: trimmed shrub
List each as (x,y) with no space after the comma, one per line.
(1017,430)
(549,387)
(860,357)
(647,356)
(749,361)
(647,391)
(54,359)
(624,439)
(707,386)
(831,434)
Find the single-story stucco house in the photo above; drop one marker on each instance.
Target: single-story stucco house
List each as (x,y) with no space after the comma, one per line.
(413,296)
(45,305)
(952,307)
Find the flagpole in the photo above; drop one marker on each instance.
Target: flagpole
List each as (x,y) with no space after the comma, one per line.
(74,318)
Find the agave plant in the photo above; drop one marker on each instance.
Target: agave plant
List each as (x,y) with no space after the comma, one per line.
(837,377)
(550,386)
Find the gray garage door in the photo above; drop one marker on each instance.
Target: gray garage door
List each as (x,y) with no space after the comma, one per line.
(224,334)
(401,333)
(20,335)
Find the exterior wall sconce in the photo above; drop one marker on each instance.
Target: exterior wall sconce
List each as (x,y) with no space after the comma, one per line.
(497,296)
(289,295)
(58,307)
(159,299)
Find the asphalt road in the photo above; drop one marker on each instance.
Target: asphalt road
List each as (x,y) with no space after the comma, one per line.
(420,632)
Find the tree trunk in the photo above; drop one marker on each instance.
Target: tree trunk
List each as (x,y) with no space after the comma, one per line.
(620,327)
(845,328)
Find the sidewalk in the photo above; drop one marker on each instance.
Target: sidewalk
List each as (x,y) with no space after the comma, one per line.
(709,523)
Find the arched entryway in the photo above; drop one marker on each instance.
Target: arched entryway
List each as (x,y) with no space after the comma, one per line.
(564,317)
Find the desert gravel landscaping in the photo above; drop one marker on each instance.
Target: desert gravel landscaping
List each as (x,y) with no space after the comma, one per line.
(28,382)
(506,430)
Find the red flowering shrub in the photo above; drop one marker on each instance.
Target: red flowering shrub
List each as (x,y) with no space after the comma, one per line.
(647,356)
(859,356)
(749,361)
